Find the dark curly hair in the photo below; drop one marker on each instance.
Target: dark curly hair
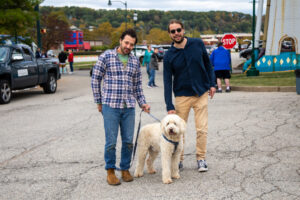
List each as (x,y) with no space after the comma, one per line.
(131,33)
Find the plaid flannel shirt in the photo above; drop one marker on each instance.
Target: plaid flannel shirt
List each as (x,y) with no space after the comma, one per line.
(121,85)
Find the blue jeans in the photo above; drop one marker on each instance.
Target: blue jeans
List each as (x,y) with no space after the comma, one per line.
(71,66)
(148,70)
(152,77)
(113,119)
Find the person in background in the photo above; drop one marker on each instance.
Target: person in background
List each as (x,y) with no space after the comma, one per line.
(44,54)
(38,53)
(70,60)
(62,57)
(187,70)
(146,60)
(116,98)
(152,67)
(220,59)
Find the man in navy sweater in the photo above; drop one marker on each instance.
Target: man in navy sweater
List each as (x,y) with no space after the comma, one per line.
(187,70)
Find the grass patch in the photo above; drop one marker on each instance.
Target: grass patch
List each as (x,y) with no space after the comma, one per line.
(264,79)
(85,65)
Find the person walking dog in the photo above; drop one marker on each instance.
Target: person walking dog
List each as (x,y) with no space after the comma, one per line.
(122,87)
(188,71)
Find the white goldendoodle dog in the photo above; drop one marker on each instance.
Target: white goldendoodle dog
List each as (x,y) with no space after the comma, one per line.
(164,137)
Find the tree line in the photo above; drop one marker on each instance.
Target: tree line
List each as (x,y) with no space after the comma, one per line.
(19,18)
(203,22)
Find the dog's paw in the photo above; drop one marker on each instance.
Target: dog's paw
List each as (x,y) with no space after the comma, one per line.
(152,171)
(167,181)
(138,174)
(176,176)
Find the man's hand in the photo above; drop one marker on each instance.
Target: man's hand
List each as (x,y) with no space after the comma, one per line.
(171,112)
(146,108)
(99,107)
(212,92)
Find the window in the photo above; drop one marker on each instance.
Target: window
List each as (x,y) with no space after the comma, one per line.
(27,54)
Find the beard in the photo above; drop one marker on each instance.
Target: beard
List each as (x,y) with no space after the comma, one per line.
(125,51)
(178,42)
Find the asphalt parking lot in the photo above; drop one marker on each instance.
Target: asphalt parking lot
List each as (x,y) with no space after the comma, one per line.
(51,147)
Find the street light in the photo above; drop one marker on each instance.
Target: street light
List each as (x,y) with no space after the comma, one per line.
(125,4)
(135,20)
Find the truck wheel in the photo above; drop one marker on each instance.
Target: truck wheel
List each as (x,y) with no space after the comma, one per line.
(5,92)
(51,85)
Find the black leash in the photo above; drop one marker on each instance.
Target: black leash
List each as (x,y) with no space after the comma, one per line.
(136,139)
(137,136)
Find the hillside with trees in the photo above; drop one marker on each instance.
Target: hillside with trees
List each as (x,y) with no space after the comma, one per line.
(107,25)
(151,25)
(203,22)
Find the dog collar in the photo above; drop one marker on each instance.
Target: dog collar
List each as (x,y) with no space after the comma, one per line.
(175,143)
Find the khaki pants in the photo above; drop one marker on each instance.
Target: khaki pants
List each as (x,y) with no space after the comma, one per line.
(183,106)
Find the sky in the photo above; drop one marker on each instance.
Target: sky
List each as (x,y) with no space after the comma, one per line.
(244,6)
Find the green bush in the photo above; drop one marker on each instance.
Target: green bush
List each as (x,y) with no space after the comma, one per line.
(97,48)
(77,53)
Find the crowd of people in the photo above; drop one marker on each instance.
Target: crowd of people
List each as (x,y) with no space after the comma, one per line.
(62,58)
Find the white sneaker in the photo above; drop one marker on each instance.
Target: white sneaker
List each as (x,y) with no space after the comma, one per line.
(148,86)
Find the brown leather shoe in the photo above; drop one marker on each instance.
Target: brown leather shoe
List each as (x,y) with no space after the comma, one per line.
(126,176)
(111,177)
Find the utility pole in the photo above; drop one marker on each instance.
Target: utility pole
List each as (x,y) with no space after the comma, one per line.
(38,27)
(253,71)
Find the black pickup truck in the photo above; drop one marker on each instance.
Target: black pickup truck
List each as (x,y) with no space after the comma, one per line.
(19,69)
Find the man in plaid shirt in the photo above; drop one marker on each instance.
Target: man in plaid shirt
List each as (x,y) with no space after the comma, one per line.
(122,86)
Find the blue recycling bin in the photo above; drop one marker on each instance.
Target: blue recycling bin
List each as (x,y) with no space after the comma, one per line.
(297,73)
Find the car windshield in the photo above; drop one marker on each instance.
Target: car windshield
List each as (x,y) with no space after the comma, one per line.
(3,53)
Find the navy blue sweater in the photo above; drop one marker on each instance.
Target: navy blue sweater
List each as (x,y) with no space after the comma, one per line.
(188,71)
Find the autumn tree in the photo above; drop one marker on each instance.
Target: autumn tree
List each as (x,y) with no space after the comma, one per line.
(57,27)
(116,34)
(17,16)
(158,36)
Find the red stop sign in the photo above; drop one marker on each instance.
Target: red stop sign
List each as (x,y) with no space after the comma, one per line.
(229,41)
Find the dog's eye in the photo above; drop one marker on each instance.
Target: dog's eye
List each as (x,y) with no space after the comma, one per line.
(174,123)
(168,124)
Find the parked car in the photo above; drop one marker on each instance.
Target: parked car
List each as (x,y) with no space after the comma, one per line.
(50,53)
(19,69)
(246,53)
(166,47)
(139,52)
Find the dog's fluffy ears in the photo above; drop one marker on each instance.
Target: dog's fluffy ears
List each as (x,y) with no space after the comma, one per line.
(181,123)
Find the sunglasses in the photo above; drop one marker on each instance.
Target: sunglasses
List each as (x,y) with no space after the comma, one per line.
(174,30)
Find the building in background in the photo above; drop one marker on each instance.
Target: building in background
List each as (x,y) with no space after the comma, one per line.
(75,41)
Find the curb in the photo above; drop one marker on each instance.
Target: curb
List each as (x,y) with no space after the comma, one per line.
(264,88)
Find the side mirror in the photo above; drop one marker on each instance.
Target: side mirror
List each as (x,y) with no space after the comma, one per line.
(17,57)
